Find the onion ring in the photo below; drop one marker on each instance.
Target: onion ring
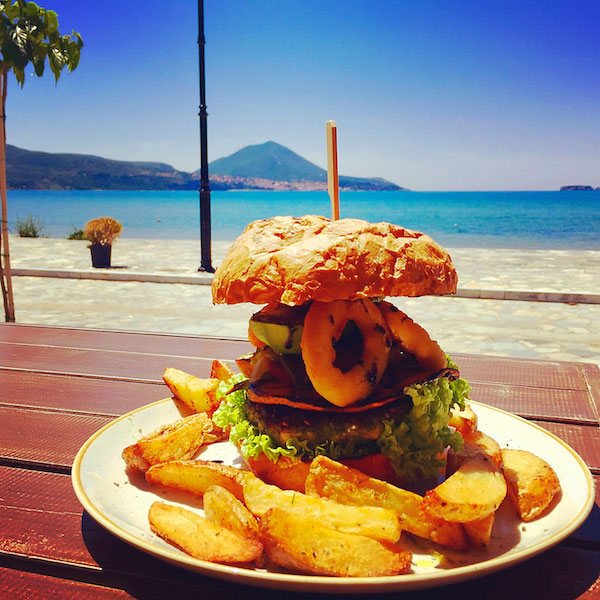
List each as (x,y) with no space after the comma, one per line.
(324,325)
(413,338)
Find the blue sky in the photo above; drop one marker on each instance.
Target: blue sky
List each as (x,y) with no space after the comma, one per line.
(430,94)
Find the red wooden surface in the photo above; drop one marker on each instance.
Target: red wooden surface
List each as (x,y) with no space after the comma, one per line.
(155,343)
(21,585)
(110,397)
(59,385)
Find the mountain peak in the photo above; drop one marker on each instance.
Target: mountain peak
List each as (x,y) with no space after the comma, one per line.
(269,160)
(272,161)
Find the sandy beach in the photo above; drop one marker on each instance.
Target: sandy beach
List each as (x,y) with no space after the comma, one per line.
(545,330)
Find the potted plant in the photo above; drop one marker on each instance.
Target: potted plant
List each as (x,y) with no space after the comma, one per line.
(102,232)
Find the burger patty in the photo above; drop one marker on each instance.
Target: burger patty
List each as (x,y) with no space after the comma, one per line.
(283,423)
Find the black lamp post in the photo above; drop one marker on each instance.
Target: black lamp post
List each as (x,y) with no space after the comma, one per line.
(205,227)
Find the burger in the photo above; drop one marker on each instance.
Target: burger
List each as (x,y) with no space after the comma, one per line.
(337,369)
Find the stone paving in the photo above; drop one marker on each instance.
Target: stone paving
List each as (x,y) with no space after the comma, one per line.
(544,330)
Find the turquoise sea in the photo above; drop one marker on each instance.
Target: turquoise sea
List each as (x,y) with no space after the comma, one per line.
(534,220)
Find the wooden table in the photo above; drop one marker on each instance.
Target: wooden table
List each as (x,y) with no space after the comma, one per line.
(60,385)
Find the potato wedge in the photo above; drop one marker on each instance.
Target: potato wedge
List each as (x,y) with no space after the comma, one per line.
(472,493)
(330,479)
(179,440)
(199,537)
(196,393)
(463,420)
(378,523)
(223,508)
(286,473)
(479,532)
(532,482)
(196,476)
(306,545)
(221,371)
(476,443)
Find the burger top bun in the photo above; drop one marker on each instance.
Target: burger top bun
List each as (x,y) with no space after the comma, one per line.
(296,260)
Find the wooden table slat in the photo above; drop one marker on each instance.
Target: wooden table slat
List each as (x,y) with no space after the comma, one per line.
(538,403)
(532,373)
(151,343)
(77,394)
(102,363)
(585,440)
(22,585)
(592,376)
(44,437)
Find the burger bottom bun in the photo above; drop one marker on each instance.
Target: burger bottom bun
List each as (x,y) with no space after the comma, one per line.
(291,474)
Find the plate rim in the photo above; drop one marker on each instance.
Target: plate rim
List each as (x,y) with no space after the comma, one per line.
(322,583)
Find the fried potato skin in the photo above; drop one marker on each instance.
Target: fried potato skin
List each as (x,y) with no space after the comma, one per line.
(375,522)
(472,493)
(197,476)
(223,508)
(532,482)
(330,479)
(180,440)
(307,546)
(199,537)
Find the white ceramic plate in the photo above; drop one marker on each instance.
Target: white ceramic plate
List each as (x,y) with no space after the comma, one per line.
(120,504)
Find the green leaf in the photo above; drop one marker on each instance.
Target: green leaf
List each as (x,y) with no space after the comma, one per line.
(38,65)
(19,74)
(29,33)
(52,19)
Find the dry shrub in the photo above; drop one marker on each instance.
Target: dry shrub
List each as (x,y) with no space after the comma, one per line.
(103,231)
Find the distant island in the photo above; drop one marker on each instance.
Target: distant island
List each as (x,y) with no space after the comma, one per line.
(268,166)
(578,188)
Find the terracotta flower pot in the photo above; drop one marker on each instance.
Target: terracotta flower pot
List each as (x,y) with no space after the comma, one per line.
(100,255)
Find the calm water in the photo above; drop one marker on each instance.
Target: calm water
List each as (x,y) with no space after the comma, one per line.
(562,220)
